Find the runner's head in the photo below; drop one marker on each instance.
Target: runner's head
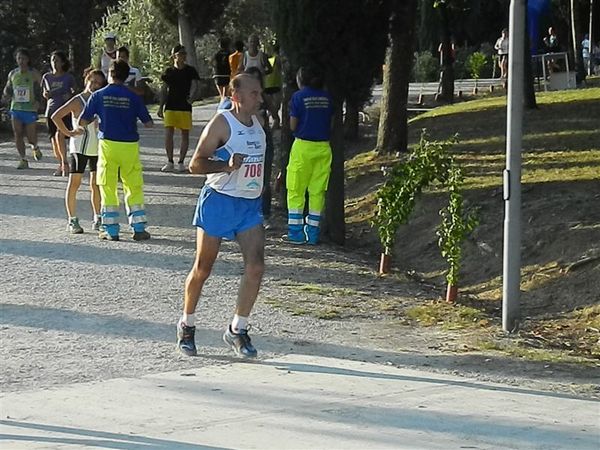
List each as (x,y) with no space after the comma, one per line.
(110,40)
(253,43)
(239,46)
(224,43)
(59,61)
(94,79)
(118,71)
(123,54)
(22,57)
(179,55)
(309,77)
(246,92)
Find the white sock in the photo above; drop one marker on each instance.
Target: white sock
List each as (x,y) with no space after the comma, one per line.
(239,323)
(189,319)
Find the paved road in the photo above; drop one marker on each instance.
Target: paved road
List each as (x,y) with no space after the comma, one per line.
(297,402)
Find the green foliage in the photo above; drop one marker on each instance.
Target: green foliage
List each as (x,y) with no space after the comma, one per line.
(202,14)
(457,223)
(476,62)
(425,67)
(140,27)
(428,163)
(346,40)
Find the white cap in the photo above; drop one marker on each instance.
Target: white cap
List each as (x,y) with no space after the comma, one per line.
(110,35)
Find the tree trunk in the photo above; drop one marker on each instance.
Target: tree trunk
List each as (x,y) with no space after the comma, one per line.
(591,37)
(334,214)
(286,143)
(186,38)
(576,37)
(447,74)
(392,135)
(351,121)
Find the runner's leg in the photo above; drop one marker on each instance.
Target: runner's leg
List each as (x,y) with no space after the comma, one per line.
(252,244)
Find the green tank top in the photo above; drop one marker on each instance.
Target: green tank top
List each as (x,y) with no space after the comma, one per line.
(23,91)
(274,78)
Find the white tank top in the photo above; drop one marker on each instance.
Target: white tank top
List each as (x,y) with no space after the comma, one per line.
(254,61)
(247,181)
(86,143)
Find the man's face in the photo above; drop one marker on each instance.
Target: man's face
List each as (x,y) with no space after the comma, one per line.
(95,83)
(180,57)
(22,60)
(109,43)
(123,56)
(253,43)
(249,95)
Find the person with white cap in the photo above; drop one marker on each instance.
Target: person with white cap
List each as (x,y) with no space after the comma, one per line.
(109,52)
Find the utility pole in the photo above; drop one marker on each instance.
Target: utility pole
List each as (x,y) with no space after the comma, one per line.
(511,273)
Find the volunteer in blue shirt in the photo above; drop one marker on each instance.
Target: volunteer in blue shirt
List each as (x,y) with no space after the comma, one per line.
(118,109)
(311,110)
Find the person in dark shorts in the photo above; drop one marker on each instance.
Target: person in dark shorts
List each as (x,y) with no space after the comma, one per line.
(83,150)
(221,67)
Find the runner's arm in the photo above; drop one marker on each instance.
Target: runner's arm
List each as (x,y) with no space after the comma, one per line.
(73,107)
(7,92)
(213,136)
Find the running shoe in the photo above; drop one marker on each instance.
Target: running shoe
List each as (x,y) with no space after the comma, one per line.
(96,225)
(141,235)
(37,154)
(168,167)
(23,164)
(106,236)
(181,168)
(186,343)
(240,343)
(74,227)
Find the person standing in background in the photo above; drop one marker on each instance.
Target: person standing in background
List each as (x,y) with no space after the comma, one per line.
(58,87)
(179,88)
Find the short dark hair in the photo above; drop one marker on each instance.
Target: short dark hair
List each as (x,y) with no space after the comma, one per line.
(255,72)
(239,46)
(119,70)
(123,49)
(311,77)
(66,64)
(22,51)
(177,49)
(224,43)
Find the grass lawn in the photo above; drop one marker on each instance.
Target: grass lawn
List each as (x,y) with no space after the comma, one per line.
(561,219)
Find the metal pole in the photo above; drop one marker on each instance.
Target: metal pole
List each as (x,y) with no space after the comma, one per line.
(511,279)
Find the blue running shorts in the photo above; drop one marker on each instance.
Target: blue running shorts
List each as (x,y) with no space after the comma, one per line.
(25,117)
(224,216)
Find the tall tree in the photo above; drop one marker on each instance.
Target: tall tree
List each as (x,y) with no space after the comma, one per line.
(392,135)
(446,51)
(193,18)
(346,40)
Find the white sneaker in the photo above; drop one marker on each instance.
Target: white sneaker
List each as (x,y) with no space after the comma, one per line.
(168,167)
(181,168)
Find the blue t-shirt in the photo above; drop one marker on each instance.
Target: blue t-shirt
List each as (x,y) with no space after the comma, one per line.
(313,108)
(118,109)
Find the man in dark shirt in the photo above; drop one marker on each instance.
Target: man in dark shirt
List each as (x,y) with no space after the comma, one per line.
(180,86)
(118,110)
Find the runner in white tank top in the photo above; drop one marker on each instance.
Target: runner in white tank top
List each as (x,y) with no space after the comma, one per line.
(86,143)
(231,153)
(247,182)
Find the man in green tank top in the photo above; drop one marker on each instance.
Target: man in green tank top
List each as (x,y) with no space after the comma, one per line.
(24,93)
